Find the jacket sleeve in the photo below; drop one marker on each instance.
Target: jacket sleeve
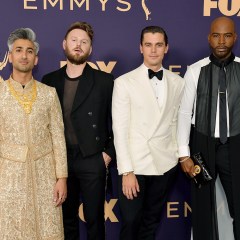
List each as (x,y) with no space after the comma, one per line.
(185,113)
(58,140)
(121,123)
(110,149)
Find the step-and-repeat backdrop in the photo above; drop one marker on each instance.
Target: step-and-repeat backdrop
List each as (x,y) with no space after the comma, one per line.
(117,25)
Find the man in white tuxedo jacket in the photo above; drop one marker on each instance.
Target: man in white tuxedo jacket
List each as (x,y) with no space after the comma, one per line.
(144,110)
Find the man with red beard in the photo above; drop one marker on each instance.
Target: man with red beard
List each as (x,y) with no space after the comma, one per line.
(85,95)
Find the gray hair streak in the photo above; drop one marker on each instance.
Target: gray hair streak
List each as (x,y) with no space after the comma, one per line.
(23,33)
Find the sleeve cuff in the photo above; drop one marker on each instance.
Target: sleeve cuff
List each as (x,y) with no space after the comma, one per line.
(183,151)
(122,171)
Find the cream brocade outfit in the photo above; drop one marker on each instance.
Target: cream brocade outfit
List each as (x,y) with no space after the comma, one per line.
(32,157)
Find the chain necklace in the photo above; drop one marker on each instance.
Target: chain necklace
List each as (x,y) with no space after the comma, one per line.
(26,100)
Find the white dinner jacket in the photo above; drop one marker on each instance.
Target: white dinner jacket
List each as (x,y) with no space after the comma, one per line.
(144,133)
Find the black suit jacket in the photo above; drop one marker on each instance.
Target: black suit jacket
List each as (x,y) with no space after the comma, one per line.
(91,110)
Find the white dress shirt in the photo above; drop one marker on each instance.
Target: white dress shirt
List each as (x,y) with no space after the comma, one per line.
(186,115)
(158,86)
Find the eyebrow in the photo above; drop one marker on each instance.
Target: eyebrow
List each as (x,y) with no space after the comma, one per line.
(78,37)
(28,48)
(222,33)
(154,43)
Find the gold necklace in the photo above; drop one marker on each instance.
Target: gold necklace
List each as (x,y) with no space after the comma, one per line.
(26,100)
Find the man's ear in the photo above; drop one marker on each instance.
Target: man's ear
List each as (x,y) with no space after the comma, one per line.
(141,48)
(36,60)
(166,49)
(10,57)
(235,37)
(64,44)
(209,36)
(90,51)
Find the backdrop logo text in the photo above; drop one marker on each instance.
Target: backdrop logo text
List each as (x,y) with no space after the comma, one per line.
(173,210)
(121,5)
(226,7)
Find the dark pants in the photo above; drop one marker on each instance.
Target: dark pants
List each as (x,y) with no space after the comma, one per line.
(224,171)
(88,177)
(141,216)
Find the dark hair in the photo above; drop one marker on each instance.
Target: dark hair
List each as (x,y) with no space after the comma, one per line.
(154,29)
(23,33)
(83,26)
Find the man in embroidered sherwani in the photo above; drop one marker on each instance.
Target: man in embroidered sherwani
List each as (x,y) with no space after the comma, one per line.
(33,167)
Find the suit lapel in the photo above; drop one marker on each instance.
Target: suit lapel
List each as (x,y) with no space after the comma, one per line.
(169,94)
(170,90)
(85,86)
(59,84)
(150,102)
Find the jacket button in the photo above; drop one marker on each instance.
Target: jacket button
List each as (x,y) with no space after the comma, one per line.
(90,114)
(97,138)
(94,126)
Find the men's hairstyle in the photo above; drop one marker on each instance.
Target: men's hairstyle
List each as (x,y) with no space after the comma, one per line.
(83,26)
(23,33)
(154,29)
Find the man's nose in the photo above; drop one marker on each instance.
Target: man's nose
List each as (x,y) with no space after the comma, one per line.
(222,39)
(153,49)
(24,54)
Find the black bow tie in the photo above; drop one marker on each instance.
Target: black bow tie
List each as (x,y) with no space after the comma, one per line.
(158,74)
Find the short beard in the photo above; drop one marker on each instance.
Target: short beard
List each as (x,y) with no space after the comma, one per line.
(24,69)
(76,59)
(222,56)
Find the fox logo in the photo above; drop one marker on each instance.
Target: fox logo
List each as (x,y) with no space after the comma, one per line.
(226,7)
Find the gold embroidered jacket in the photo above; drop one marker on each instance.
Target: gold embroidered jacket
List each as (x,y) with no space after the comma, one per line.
(32,157)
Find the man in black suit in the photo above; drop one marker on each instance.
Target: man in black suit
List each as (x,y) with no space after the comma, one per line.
(85,95)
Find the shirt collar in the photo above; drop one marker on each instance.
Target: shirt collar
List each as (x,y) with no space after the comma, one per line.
(146,69)
(18,86)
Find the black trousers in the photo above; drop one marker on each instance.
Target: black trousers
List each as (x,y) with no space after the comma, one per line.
(224,171)
(141,216)
(88,177)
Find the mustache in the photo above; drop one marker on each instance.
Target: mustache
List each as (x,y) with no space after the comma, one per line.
(78,49)
(222,47)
